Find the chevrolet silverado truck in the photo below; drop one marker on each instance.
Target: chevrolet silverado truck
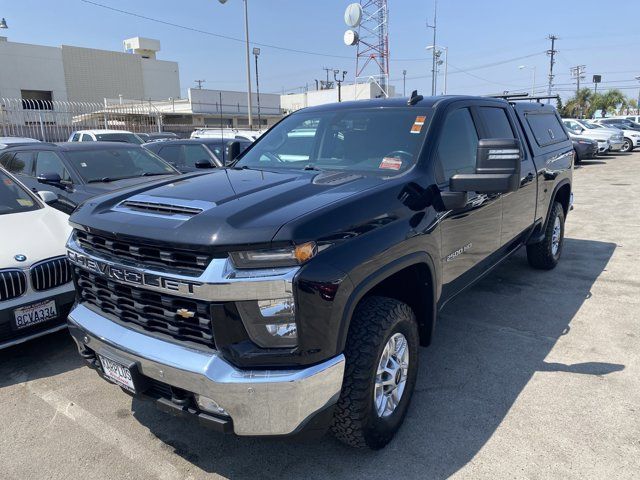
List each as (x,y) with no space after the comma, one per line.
(291,291)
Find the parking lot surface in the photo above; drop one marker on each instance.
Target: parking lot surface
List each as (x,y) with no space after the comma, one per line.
(532,375)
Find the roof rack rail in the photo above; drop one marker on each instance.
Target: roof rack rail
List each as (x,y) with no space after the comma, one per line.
(508,95)
(526,96)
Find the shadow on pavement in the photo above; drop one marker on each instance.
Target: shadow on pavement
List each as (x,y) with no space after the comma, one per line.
(43,357)
(489,343)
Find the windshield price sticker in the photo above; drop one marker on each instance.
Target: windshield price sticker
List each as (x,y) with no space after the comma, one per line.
(417,125)
(391,163)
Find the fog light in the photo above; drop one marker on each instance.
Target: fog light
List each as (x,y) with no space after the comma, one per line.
(209,405)
(270,323)
(283,330)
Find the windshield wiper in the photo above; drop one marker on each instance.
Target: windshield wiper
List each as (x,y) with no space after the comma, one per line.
(311,167)
(151,174)
(102,180)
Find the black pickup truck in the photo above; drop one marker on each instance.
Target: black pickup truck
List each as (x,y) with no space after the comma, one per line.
(291,291)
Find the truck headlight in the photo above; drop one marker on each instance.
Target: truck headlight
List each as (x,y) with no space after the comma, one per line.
(270,323)
(273,258)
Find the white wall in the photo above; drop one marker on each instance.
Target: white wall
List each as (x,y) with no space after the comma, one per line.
(206,101)
(160,79)
(362,91)
(31,67)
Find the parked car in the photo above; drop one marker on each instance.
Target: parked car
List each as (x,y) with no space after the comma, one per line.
(8,141)
(78,171)
(155,136)
(583,128)
(105,136)
(191,154)
(249,135)
(630,130)
(584,147)
(36,292)
(292,290)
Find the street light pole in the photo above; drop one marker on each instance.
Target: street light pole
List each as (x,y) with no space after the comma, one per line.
(246,34)
(437,49)
(533,83)
(339,82)
(404,83)
(638,78)
(256,53)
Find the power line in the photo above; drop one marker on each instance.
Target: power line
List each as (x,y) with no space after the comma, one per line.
(217,35)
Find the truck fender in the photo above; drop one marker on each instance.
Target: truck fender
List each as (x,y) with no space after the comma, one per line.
(426,325)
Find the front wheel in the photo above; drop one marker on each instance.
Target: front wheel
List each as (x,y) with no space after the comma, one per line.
(380,373)
(627,146)
(545,254)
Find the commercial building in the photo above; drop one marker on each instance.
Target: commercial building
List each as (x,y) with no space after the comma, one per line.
(68,73)
(360,91)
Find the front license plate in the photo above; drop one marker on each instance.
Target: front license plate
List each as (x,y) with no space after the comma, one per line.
(117,373)
(34,314)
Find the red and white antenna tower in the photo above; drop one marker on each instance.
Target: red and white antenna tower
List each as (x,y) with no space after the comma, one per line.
(369,22)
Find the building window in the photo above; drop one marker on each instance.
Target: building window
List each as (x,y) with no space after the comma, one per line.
(37,99)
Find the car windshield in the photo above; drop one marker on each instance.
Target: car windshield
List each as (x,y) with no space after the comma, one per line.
(119,137)
(13,198)
(381,140)
(107,164)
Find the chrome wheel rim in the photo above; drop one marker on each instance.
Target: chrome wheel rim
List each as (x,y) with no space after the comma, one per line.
(391,375)
(555,236)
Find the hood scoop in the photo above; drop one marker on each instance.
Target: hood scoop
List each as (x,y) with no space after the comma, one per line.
(171,208)
(335,178)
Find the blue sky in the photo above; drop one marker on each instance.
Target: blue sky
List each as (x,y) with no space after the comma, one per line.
(487,39)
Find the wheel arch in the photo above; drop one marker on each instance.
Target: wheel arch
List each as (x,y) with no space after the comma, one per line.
(410,279)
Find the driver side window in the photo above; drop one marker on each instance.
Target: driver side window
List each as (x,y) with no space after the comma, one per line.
(457,146)
(49,162)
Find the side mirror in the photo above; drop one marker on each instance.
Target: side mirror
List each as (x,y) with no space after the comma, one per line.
(47,196)
(204,164)
(232,150)
(497,168)
(50,178)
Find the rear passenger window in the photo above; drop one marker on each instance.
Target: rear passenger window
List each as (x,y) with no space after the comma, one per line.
(457,146)
(496,122)
(76,137)
(546,128)
(86,138)
(22,163)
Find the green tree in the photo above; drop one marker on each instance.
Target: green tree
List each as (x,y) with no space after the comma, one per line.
(612,101)
(580,104)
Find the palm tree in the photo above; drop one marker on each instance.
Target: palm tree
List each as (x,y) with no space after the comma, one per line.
(611,101)
(580,104)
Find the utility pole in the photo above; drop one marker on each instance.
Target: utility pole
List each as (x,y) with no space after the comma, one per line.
(433,56)
(199,82)
(552,53)
(577,73)
(256,53)
(404,83)
(328,84)
(339,82)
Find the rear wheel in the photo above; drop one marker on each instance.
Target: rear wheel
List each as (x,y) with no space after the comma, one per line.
(627,146)
(380,373)
(545,254)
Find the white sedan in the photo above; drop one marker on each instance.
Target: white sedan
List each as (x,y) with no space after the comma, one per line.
(36,291)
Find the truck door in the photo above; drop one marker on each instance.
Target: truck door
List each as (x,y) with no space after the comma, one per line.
(519,207)
(472,233)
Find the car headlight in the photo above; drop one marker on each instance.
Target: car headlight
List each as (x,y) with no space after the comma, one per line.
(270,323)
(274,258)
(634,135)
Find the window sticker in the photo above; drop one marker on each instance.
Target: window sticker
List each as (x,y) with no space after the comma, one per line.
(83,164)
(8,182)
(417,125)
(25,202)
(391,163)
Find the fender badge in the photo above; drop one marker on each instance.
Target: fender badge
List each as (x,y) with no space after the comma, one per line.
(20,257)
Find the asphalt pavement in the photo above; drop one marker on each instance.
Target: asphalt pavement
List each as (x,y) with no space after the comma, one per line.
(531,375)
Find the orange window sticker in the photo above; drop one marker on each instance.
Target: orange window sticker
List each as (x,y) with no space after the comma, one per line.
(8,182)
(390,163)
(417,125)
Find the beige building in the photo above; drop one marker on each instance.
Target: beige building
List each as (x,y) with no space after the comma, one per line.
(361,91)
(68,73)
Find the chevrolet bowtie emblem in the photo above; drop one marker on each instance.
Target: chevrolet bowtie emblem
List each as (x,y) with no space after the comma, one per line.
(184,313)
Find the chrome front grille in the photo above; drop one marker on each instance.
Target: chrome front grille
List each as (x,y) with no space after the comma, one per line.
(154,312)
(147,255)
(13,283)
(50,273)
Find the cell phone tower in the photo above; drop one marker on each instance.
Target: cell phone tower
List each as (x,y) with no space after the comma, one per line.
(369,32)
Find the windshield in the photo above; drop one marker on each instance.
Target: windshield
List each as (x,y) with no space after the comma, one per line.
(381,140)
(109,164)
(588,125)
(119,137)
(13,199)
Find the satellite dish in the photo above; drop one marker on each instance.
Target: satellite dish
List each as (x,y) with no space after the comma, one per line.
(353,15)
(351,37)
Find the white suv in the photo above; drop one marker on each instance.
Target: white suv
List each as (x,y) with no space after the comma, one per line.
(36,291)
(105,136)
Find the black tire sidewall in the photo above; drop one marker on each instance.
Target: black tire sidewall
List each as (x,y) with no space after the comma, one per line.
(379,430)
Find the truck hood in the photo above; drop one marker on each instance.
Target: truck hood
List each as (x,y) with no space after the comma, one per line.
(210,211)
(103,187)
(38,235)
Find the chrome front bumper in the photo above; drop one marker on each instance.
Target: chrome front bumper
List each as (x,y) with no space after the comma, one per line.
(260,402)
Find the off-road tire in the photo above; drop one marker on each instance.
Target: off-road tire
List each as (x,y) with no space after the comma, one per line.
(541,255)
(375,321)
